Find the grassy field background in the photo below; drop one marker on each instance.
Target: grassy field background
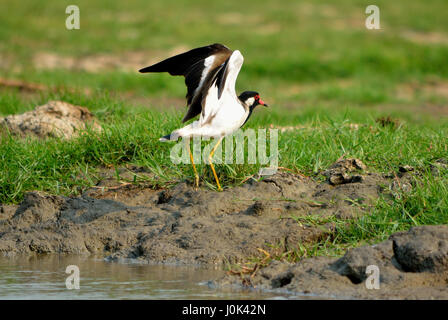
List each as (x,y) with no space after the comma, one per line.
(314,62)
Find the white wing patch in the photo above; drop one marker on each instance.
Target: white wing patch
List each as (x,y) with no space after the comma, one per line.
(212,103)
(235,63)
(208,62)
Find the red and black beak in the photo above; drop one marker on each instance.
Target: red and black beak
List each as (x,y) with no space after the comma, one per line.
(263,103)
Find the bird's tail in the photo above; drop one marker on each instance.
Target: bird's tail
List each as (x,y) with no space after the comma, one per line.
(170,137)
(184,132)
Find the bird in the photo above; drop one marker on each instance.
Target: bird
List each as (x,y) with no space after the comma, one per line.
(210,75)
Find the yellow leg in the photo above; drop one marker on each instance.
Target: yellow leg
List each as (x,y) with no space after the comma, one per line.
(196,176)
(211,164)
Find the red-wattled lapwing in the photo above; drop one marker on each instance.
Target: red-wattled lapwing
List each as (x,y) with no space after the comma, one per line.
(210,74)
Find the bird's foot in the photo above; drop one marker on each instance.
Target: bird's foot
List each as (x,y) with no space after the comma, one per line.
(196,183)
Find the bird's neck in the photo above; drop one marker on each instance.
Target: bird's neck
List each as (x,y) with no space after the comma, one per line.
(250,108)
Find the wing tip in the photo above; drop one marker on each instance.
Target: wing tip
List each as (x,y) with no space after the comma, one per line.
(144,70)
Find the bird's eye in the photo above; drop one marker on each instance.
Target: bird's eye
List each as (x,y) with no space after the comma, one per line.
(257,97)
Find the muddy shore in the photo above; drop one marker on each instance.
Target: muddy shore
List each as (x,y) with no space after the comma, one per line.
(410,265)
(184,226)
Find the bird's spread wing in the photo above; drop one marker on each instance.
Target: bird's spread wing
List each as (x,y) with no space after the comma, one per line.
(229,73)
(223,81)
(201,67)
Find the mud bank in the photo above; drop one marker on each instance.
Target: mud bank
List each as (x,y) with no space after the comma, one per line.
(412,265)
(181,225)
(184,226)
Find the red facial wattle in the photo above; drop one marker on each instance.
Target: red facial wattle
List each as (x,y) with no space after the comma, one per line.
(259,101)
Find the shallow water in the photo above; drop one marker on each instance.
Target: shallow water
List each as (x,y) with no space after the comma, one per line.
(44,277)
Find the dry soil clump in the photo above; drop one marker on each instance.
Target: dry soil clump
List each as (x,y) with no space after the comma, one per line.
(54,119)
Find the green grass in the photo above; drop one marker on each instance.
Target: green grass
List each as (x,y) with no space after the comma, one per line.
(132,138)
(314,62)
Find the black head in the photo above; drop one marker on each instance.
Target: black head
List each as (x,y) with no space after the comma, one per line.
(251,99)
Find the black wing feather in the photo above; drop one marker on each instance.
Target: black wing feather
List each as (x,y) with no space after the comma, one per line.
(178,65)
(192,79)
(221,77)
(199,98)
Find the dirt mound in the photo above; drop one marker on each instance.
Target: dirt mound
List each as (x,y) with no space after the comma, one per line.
(412,265)
(182,225)
(54,119)
(340,172)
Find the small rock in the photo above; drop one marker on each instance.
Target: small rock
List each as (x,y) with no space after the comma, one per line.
(358,164)
(338,178)
(399,187)
(355,261)
(388,122)
(422,249)
(256,209)
(438,166)
(406,168)
(164,197)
